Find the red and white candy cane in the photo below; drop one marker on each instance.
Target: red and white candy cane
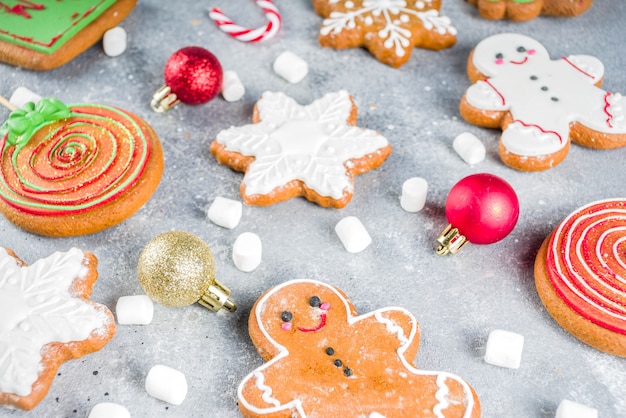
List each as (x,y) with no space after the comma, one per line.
(245,34)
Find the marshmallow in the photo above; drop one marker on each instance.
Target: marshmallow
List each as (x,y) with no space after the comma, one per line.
(232,87)
(504,349)
(291,67)
(108,410)
(353,234)
(414,192)
(225,212)
(166,384)
(114,41)
(569,409)
(22,95)
(137,309)
(247,251)
(470,148)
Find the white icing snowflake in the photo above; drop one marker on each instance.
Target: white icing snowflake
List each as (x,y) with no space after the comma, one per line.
(398,15)
(312,144)
(36,308)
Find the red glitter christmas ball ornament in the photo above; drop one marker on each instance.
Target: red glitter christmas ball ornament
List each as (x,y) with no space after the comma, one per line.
(482,209)
(193,76)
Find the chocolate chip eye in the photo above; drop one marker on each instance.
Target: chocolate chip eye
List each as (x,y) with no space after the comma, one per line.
(286,316)
(499,55)
(315,301)
(521,49)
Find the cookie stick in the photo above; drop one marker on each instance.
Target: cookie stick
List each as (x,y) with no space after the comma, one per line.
(6,103)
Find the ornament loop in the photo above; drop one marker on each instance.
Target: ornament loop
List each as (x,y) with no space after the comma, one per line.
(450,241)
(163,99)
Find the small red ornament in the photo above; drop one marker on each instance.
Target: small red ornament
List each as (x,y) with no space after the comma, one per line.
(193,76)
(482,209)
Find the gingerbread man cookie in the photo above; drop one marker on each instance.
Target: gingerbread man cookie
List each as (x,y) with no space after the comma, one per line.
(292,150)
(46,318)
(388,29)
(539,103)
(42,35)
(323,359)
(521,10)
(78,169)
(580,273)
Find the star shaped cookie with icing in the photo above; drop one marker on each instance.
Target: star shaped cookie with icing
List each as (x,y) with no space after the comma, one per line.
(46,318)
(389,29)
(292,150)
(539,103)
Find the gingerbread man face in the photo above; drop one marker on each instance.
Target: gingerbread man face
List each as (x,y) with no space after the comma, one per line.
(540,104)
(320,354)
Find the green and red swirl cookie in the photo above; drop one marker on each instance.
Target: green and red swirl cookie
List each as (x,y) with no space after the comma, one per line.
(74,170)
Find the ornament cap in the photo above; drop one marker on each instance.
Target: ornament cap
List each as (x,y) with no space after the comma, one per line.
(216,297)
(450,241)
(163,99)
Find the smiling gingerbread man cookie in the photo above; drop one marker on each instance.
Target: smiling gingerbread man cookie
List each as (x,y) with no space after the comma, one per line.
(323,359)
(540,104)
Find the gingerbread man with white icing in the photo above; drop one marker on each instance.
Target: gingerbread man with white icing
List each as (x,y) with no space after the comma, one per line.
(539,103)
(323,359)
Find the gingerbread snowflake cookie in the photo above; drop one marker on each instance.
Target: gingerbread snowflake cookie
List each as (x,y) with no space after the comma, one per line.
(389,29)
(292,150)
(521,10)
(540,104)
(325,360)
(46,318)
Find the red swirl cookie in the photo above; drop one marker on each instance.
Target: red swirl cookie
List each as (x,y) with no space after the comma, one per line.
(521,10)
(76,170)
(580,273)
(46,318)
(325,360)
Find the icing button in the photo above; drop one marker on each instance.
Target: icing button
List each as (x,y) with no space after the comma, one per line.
(330,351)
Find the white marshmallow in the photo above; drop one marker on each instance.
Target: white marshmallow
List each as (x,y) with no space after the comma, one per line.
(166,384)
(108,410)
(232,87)
(291,67)
(137,309)
(22,95)
(504,349)
(353,234)
(225,212)
(247,251)
(470,148)
(570,409)
(414,192)
(114,41)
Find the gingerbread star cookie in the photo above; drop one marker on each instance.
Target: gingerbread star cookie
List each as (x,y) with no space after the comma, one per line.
(580,273)
(521,10)
(46,318)
(292,150)
(388,29)
(325,360)
(540,104)
(42,35)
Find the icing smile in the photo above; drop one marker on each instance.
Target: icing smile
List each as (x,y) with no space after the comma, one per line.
(520,62)
(315,302)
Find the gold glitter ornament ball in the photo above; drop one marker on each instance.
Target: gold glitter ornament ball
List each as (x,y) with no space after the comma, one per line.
(177,269)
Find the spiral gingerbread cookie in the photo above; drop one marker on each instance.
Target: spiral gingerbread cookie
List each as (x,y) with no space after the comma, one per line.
(540,104)
(580,273)
(46,318)
(74,170)
(521,10)
(42,35)
(325,360)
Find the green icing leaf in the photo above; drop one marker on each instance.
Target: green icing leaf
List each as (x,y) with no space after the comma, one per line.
(22,123)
